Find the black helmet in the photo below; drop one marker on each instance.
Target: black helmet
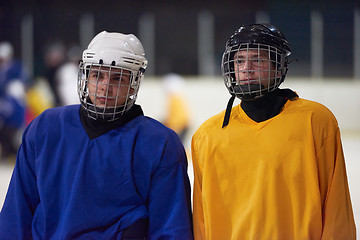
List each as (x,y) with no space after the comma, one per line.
(264,38)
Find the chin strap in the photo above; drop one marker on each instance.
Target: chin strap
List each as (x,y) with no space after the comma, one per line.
(228,111)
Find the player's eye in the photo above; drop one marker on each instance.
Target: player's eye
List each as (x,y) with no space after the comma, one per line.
(115,78)
(94,74)
(240,61)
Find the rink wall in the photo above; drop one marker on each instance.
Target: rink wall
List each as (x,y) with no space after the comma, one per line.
(208,96)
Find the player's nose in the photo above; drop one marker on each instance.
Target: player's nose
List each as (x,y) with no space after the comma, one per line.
(249,64)
(105,79)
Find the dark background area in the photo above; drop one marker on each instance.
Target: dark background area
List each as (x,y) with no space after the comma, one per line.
(176,28)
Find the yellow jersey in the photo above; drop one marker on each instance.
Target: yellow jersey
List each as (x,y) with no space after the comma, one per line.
(280,179)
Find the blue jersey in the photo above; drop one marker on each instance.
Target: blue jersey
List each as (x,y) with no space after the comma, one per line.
(67,185)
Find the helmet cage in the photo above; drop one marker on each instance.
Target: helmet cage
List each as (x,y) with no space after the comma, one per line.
(268,59)
(124,80)
(110,74)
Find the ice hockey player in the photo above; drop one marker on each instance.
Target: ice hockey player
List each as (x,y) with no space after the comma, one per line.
(271,167)
(100,169)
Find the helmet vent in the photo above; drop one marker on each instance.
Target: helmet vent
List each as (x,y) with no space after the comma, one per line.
(131,60)
(89,55)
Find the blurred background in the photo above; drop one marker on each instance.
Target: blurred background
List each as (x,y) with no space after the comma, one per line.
(179,34)
(41,43)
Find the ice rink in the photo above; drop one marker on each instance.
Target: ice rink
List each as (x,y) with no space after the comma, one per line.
(208,97)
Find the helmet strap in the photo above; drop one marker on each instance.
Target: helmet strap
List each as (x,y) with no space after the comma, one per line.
(228,111)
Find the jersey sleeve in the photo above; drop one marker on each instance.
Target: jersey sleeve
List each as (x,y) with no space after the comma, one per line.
(198,214)
(338,219)
(22,197)
(169,201)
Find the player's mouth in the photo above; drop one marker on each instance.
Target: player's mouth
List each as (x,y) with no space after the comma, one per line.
(249,81)
(103,101)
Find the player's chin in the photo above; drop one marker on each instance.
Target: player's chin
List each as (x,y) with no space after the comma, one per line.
(111,105)
(102,104)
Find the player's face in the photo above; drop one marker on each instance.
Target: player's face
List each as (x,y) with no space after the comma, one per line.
(253,67)
(109,88)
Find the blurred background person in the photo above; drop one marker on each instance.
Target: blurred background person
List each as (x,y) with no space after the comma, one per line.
(177,110)
(39,97)
(66,77)
(13,81)
(55,56)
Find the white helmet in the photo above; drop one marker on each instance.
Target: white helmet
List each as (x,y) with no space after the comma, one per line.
(111,53)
